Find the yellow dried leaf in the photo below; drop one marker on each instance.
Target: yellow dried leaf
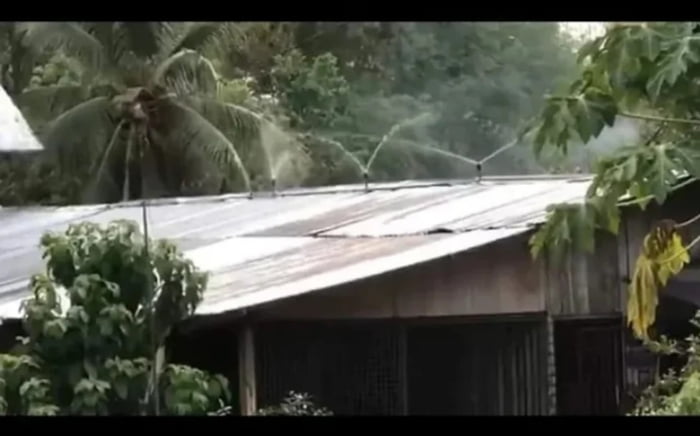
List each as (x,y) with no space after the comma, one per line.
(672,259)
(643,295)
(663,256)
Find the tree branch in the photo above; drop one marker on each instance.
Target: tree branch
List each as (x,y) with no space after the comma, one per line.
(688,222)
(659,119)
(650,197)
(634,115)
(653,137)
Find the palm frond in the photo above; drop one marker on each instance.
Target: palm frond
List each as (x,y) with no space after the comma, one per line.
(190,130)
(21,57)
(144,36)
(187,72)
(281,149)
(130,143)
(188,36)
(78,136)
(71,37)
(115,44)
(102,184)
(230,118)
(99,167)
(50,101)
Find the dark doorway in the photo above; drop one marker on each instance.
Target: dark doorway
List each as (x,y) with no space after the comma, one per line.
(493,366)
(488,368)
(589,366)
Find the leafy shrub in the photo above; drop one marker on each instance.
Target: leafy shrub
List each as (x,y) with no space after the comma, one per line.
(295,404)
(675,393)
(92,325)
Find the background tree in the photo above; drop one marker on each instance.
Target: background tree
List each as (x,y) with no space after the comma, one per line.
(89,350)
(424,91)
(478,81)
(150,97)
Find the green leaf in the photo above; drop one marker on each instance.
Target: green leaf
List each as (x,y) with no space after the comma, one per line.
(55,328)
(591,48)
(106,326)
(677,55)
(121,388)
(90,369)
(647,40)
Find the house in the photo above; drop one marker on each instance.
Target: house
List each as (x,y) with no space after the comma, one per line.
(410,298)
(15,133)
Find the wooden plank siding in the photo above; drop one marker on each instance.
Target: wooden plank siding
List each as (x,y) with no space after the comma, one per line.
(498,279)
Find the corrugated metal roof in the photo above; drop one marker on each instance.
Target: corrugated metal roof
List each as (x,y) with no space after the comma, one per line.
(263,249)
(15,133)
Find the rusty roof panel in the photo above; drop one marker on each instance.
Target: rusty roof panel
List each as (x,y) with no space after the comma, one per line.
(307,239)
(313,264)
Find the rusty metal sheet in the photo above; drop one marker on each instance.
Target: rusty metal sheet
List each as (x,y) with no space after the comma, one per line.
(247,271)
(326,235)
(312,264)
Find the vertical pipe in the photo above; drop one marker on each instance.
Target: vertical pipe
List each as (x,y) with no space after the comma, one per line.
(150,293)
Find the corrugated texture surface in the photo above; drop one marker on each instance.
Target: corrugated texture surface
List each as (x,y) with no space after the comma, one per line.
(15,134)
(264,249)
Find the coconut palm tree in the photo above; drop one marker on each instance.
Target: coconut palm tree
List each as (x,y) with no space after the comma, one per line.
(147,120)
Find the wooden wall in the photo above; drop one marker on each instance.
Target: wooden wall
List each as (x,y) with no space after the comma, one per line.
(584,284)
(498,279)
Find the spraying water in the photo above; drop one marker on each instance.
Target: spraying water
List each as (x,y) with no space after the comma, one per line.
(335,144)
(393,131)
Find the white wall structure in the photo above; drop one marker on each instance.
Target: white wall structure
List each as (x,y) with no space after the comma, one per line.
(15,133)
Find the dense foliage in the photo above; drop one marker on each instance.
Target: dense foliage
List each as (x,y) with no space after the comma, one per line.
(295,404)
(647,72)
(644,71)
(93,324)
(675,393)
(201,108)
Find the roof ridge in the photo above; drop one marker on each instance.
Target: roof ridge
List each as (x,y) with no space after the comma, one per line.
(323,190)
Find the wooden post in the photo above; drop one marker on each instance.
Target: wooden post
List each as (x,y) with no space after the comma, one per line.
(403,368)
(551,368)
(246,371)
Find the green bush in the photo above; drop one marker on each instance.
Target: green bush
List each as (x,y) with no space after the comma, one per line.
(92,325)
(675,393)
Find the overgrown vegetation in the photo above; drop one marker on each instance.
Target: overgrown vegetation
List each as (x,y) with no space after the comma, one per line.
(645,72)
(295,404)
(96,318)
(675,393)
